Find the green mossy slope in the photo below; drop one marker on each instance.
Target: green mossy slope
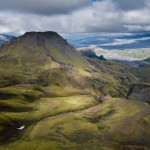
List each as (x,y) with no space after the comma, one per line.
(53,98)
(114,124)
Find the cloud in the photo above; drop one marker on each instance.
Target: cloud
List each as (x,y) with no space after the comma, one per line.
(44,7)
(93,18)
(137,28)
(130,4)
(74,16)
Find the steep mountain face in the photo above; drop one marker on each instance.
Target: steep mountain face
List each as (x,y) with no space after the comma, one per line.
(52,97)
(140,92)
(142,73)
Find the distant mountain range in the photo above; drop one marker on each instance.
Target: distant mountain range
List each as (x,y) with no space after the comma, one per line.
(110,41)
(120,46)
(4,38)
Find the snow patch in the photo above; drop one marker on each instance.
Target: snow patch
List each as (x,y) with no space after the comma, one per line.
(21,128)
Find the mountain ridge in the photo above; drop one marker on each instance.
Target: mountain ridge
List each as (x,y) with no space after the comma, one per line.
(43,46)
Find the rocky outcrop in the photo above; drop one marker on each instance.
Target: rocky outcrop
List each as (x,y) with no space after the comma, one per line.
(140,92)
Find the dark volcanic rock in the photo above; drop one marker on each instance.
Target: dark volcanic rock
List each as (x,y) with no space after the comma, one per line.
(140,92)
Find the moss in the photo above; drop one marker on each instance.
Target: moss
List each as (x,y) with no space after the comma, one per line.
(40,109)
(2,128)
(115,90)
(40,145)
(15,105)
(15,92)
(142,73)
(62,125)
(11,77)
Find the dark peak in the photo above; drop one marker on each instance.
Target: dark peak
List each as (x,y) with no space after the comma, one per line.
(32,37)
(46,34)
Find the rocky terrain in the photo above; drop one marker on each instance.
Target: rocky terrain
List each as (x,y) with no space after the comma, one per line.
(52,97)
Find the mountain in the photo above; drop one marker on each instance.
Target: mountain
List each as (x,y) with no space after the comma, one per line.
(4,38)
(43,46)
(46,55)
(52,97)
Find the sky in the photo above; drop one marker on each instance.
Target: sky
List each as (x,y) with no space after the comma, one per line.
(72,16)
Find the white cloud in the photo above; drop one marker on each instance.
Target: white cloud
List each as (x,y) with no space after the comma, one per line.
(136,17)
(137,28)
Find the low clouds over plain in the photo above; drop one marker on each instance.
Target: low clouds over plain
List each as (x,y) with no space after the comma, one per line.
(18,16)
